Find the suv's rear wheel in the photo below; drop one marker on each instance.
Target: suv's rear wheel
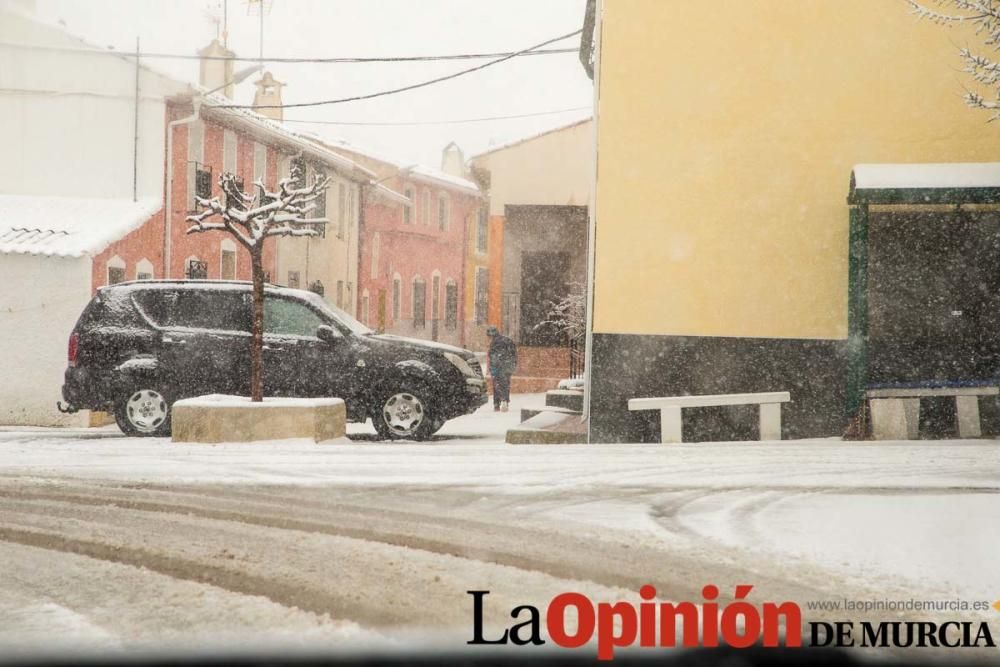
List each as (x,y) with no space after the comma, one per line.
(404,411)
(144,411)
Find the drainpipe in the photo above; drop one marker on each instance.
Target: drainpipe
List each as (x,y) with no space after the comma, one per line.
(168,212)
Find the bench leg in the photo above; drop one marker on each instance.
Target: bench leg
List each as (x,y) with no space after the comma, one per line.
(770,421)
(895,418)
(967,415)
(670,425)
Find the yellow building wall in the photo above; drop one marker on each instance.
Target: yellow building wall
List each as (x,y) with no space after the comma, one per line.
(727,131)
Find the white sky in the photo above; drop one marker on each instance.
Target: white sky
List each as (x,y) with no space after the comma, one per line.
(335,28)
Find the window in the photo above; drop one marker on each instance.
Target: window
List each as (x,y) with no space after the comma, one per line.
(199,176)
(199,309)
(435,297)
(408,211)
(195,269)
(482,295)
(287,317)
(260,163)
(364,307)
(427,207)
(320,210)
(482,229)
(293,279)
(451,305)
(340,294)
(297,171)
(228,264)
(443,212)
(376,247)
(419,303)
(341,209)
(144,270)
(116,270)
(397,288)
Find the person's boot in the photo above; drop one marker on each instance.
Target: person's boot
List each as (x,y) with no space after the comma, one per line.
(504,406)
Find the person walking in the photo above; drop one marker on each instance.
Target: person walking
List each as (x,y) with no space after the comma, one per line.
(502,362)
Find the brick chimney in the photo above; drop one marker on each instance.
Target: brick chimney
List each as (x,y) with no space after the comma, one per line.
(268,92)
(216,73)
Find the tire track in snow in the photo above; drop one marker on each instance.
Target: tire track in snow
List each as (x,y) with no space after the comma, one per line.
(676,574)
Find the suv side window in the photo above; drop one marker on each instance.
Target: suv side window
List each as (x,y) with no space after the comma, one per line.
(286,317)
(222,310)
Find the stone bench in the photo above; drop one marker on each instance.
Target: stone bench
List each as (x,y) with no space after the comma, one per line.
(218,418)
(895,411)
(670,410)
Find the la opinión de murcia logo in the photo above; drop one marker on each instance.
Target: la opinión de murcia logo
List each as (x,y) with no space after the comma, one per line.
(572,620)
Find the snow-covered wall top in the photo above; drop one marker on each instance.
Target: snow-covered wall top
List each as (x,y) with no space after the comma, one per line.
(928,175)
(68,226)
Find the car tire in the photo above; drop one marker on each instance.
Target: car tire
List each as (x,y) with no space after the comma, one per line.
(144,411)
(404,412)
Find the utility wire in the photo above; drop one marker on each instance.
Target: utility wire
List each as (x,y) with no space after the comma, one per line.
(340,60)
(413,86)
(435,122)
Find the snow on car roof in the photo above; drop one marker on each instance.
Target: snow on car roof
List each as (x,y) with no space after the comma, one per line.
(927,175)
(68,226)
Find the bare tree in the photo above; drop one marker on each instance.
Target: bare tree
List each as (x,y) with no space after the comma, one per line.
(252,219)
(984,16)
(568,315)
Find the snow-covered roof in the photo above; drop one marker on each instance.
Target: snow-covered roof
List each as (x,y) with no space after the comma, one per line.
(68,226)
(419,171)
(280,132)
(516,142)
(927,175)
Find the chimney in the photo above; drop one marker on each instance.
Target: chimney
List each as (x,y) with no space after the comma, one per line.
(268,93)
(216,73)
(453,160)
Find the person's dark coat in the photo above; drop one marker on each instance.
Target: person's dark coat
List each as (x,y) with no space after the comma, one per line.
(503,355)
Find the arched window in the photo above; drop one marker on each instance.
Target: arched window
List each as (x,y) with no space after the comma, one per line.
(227,269)
(116,270)
(144,270)
(444,211)
(409,212)
(450,304)
(419,303)
(436,295)
(397,297)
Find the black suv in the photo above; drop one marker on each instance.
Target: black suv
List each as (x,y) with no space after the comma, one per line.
(140,346)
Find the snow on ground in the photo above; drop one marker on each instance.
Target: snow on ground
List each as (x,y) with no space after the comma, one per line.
(819,519)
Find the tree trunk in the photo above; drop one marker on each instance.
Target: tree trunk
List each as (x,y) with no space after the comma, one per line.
(257,341)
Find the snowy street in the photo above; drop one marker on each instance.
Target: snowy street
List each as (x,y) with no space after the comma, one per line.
(114,542)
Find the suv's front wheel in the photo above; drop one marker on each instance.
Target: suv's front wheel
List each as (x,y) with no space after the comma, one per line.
(144,411)
(404,411)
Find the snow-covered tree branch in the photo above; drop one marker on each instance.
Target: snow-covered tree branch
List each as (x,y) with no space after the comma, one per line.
(984,15)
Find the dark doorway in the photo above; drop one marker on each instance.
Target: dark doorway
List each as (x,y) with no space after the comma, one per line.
(934,297)
(543,282)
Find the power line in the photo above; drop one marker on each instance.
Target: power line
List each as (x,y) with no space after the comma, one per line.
(413,86)
(436,122)
(335,60)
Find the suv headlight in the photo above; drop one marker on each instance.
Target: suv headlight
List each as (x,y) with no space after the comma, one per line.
(461,364)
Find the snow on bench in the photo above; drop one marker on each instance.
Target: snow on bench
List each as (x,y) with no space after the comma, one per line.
(896,410)
(670,410)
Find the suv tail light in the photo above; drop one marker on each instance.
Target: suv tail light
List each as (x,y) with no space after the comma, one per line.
(74,345)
